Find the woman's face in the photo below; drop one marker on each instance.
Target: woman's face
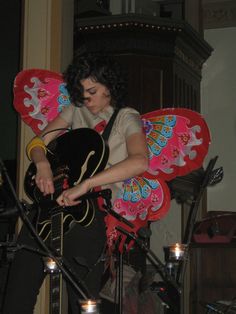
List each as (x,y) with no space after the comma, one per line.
(97,96)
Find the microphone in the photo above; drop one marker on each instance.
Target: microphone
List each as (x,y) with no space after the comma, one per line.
(106,194)
(140,242)
(144,233)
(127,233)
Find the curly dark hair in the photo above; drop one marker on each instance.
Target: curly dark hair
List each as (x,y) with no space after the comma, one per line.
(101,68)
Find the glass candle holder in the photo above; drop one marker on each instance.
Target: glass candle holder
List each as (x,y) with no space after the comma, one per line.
(177,251)
(50,266)
(90,306)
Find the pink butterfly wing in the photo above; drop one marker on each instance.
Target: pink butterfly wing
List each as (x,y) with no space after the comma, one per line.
(39,96)
(178,141)
(140,200)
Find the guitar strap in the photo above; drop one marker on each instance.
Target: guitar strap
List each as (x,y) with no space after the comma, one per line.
(108,128)
(105,135)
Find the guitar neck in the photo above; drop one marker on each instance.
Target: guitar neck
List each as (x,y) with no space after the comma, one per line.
(56,277)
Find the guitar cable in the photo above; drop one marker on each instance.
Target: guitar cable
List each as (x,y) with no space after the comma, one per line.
(55,130)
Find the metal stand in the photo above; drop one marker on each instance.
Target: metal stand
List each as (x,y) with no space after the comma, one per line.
(211,177)
(59,263)
(120,283)
(120,255)
(167,289)
(64,267)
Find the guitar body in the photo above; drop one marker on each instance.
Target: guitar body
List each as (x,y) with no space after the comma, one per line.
(73,156)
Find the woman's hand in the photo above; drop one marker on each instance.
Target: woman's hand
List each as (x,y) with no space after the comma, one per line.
(44,177)
(70,197)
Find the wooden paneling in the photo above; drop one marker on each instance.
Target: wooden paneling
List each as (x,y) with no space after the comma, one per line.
(145,82)
(213,275)
(163,58)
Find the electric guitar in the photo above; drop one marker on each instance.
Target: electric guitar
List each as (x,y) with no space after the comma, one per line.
(73,156)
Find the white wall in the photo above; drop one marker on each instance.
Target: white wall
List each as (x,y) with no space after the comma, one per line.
(115,6)
(167,231)
(219,109)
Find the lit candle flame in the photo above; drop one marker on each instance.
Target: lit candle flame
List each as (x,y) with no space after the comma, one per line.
(177,251)
(89,306)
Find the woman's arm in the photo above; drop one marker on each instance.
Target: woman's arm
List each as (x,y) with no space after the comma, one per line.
(135,164)
(44,176)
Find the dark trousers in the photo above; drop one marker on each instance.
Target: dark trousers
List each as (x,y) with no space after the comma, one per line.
(83,247)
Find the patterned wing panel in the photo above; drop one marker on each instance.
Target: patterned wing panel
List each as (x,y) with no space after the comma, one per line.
(39,95)
(178,141)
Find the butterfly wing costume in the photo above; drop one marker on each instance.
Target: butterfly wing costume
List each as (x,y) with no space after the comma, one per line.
(177,140)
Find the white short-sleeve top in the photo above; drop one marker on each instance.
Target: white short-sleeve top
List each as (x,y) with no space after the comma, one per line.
(127,122)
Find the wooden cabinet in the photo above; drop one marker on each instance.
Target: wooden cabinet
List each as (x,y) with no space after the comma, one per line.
(163,57)
(213,276)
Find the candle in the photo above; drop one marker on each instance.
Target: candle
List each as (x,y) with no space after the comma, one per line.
(89,306)
(177,251)
(50,265)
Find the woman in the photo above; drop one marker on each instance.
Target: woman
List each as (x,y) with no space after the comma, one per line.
(96,88)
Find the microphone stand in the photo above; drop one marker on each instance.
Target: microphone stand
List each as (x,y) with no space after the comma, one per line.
(151,256)
(168,289)
(106,194)
(156,262)
(79,286)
